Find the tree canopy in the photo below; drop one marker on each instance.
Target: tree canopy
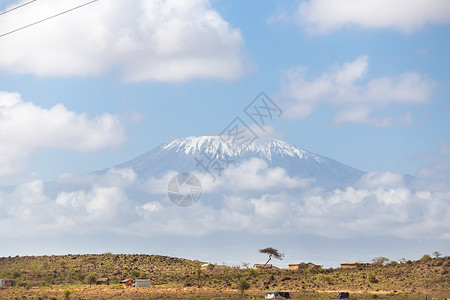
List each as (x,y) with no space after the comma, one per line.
(272,252)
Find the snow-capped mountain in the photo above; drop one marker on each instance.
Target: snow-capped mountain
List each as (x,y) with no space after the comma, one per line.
(197,153)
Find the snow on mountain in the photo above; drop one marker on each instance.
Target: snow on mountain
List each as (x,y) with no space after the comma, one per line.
(218,147)
(184,155)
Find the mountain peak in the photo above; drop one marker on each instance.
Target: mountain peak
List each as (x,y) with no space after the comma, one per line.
(183,155)
(216,146)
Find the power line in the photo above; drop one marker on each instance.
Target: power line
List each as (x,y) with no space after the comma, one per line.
(14,8)
(46,19)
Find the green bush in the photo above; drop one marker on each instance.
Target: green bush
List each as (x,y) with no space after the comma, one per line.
(135,273)
(81,276)
(426,257)
(91,279)
(66,294)
(372,279)
(16,274)
(243,286)
(252,272)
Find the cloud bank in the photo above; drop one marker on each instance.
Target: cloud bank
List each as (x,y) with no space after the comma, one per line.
(26,127)
(357,101)
(118,201)
(405,16)
(144,40)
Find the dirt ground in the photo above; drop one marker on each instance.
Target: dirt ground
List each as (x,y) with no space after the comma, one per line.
(119,292)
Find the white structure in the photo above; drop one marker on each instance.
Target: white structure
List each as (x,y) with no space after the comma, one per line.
(2,282)
(209,267)
(277,295)
(142,282)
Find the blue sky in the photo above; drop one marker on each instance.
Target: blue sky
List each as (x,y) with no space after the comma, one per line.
(365,84)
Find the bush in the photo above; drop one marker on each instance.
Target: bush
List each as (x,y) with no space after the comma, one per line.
(372,279)
(393,263)
(66,294)
(16,274)
(243,286)
(81,276)
(91,279)
(426,257)
(135,273)
(252,272)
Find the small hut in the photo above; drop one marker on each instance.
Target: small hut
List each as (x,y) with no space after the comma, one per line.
(142,282)
(352,264)
(297,266)
(313,266)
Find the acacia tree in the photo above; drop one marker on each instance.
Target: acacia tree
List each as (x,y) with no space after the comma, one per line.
(436,254)
(380,260)
(272,252)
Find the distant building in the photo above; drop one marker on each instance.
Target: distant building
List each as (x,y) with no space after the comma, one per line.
(302,265)
(297,266)
(352,264)
(142,282)
(313,266)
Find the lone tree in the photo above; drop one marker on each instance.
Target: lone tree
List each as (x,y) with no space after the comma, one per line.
(91,279)
(272,252)
(243,285)
(380,260)
(436,254)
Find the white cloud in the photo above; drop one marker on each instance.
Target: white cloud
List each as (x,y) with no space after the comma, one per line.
(381,205)
(147,40)
(406,16)
(25,127)
(356,100)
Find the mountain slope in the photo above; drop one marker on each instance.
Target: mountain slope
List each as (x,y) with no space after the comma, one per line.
(184,155)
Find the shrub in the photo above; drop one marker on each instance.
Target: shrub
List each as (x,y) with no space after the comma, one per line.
(91,279)
(426,257)
(252,272)
(16,274)
(81,276)
(372,279)
(135,273)
(243,286)
(66,294)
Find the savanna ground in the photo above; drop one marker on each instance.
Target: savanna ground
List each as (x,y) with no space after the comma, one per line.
(68,277)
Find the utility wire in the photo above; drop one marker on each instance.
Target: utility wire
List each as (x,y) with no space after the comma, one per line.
(46,19)
(14,8)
